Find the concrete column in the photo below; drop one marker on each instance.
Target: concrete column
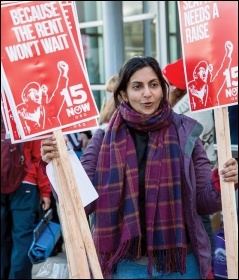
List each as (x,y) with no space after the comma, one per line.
(161,35)
(113,37)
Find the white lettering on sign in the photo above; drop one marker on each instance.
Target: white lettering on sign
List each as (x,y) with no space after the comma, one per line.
(197,15)
(34,13)
(38,29)
(53,44)
(49,27)
(22,51)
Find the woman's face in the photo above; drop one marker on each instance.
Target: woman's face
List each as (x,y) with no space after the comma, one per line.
(144,91)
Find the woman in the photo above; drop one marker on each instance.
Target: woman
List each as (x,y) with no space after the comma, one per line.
(153,179)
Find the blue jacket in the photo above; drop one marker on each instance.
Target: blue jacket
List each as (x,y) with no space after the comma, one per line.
(199,195)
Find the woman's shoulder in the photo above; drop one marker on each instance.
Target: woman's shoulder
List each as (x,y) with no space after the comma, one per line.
(93,146)
(182,118)
(189,131)
(97,136)
(99,131)
(187,124)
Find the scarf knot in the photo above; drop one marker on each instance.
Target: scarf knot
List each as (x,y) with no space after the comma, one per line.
(147,123)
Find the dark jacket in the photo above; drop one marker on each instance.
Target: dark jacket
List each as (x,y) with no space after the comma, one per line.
(199,195)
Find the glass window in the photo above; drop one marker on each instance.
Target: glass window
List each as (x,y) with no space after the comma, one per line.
(152,6)
(153,39)
(133,38)
(89,10)
(173,48)
(98,96)
(136,42)
(132,8)
(92,40)
(172,9)
(173,30)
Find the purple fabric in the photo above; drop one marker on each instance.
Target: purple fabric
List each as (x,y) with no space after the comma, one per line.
(200,196)
(117,227)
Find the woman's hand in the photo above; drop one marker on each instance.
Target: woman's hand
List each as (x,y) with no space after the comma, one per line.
(49,149)
(230,171)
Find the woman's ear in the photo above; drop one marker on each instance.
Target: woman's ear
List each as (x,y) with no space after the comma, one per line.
(124,96)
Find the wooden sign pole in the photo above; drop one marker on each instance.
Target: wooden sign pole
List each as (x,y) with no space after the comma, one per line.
(78,207)
(227,192)
(75,250)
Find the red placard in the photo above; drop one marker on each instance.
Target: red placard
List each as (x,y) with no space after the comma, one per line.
(209,32)
(45,80)
(13,131)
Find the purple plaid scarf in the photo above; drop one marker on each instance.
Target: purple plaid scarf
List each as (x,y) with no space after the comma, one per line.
(117,226)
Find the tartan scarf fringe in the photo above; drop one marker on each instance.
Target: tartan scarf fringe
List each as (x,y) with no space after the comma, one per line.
(127,250)
(165,261)
(168,260)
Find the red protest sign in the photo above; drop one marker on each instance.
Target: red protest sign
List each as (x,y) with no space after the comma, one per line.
(46,82)
(13,131)
(70,14)
(209,31)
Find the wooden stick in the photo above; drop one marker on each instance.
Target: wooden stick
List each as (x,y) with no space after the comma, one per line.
(227,192)
(78,207)
(75,250)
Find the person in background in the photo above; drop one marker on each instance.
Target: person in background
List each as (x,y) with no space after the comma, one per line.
(178,97)
(108,105)
(152,183)
(21,211)
(78,141)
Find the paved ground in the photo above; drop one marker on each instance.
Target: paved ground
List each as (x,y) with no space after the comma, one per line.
(52,268)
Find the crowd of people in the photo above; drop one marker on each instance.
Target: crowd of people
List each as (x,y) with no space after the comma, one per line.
(155,186)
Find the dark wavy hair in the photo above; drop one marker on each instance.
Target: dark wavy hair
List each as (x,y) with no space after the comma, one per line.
(130,67)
